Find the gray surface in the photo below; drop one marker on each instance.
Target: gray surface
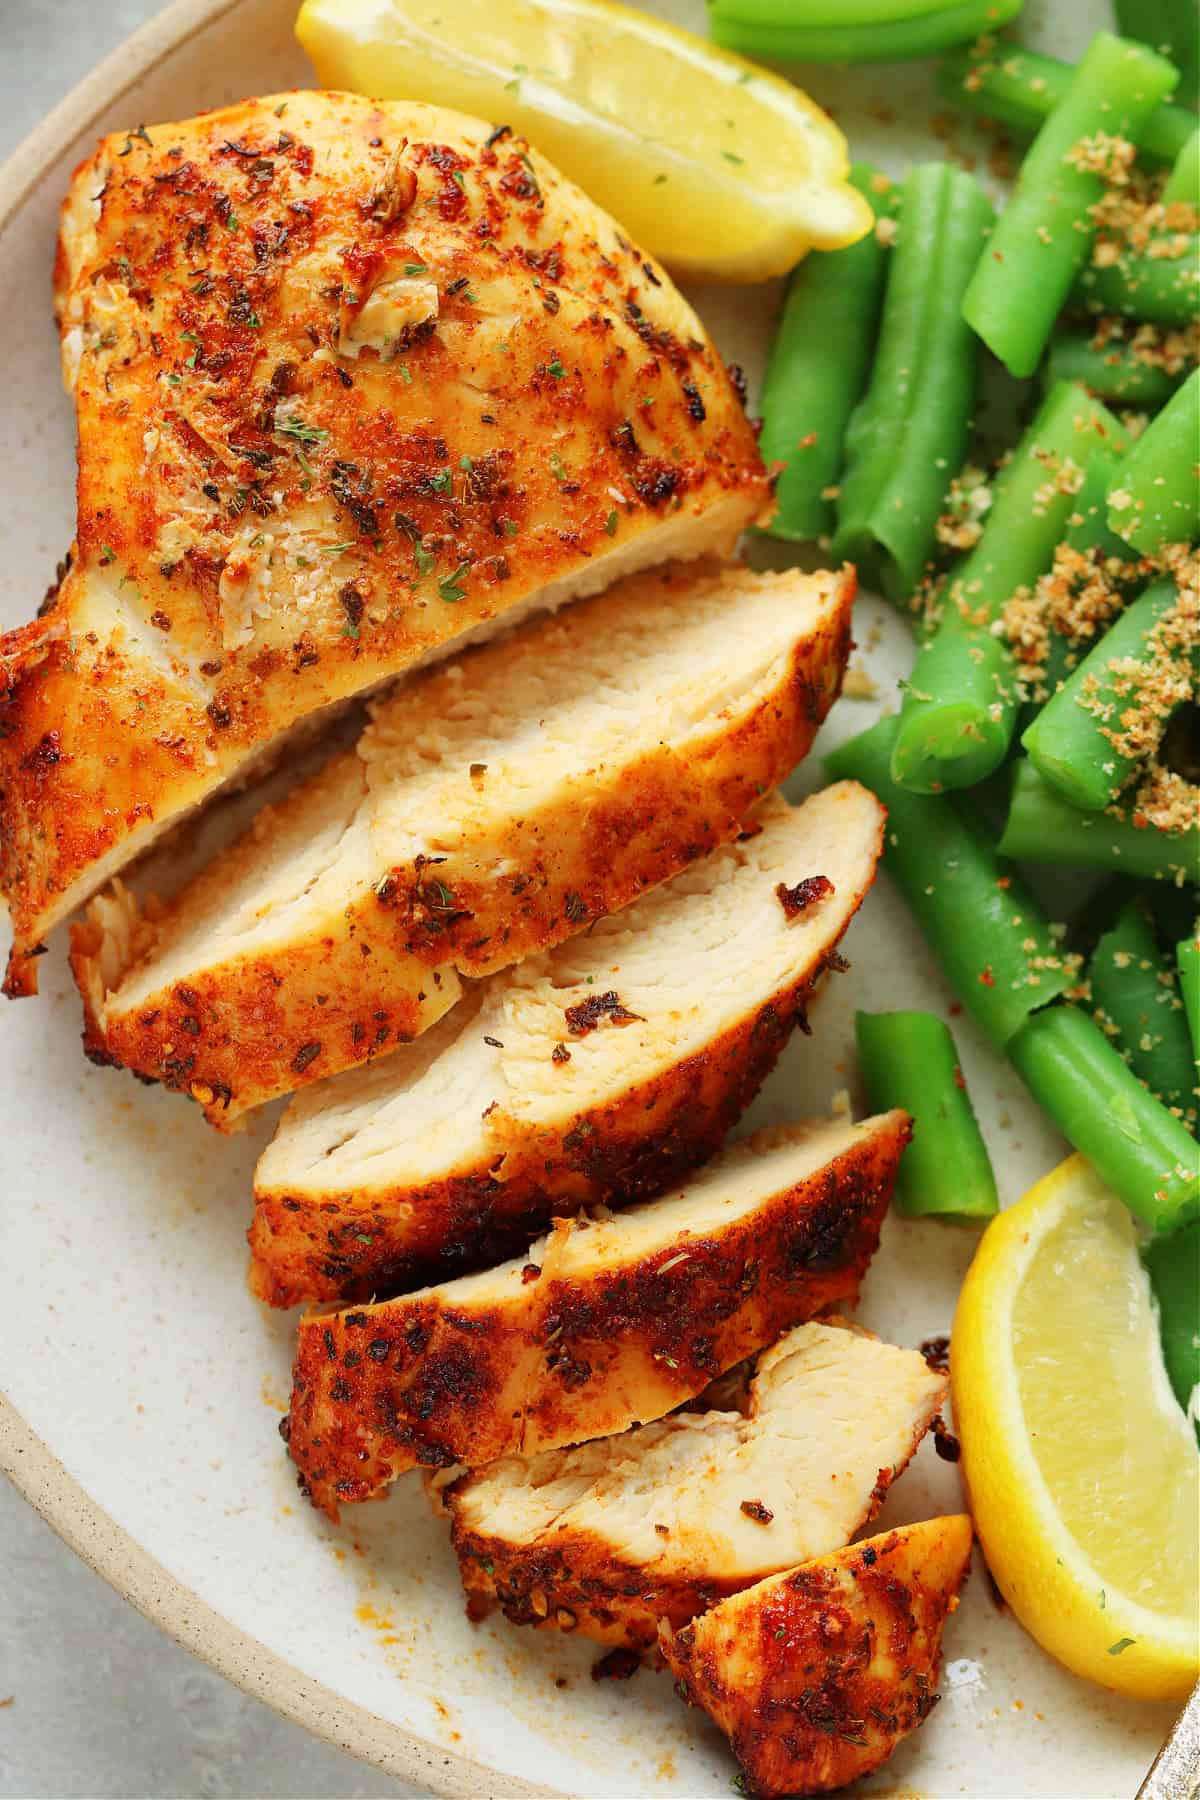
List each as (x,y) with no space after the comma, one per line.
(102,1704)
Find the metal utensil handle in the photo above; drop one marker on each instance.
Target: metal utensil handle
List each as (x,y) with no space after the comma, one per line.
(1175,1771)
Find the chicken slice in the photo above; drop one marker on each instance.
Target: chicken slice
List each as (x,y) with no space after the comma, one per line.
(603,1323)
(664,1520)
(493,807)
(602,1070)
(816,1675)
(354,380)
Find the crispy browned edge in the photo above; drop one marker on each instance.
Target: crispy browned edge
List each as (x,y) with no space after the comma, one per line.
(335,1247)
(250,1028)
(579,1584)
(817,1714)
(419,1381)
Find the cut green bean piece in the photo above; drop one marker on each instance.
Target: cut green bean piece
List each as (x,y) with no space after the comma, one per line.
(1070,743)
(819,360)
(1020,88)
(908,1059)
(1115,371)
(909,432)
(1173,1265)
(960,708)
(1187,962)
(1144,1153)
(1156,496)
(1172,27)
(1183,183)
(1043,237)
(1160,290)
(998,952)
(780,38)
(1042,827)
(1139,1006)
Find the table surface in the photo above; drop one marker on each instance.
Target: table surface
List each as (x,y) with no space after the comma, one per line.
(94,1701)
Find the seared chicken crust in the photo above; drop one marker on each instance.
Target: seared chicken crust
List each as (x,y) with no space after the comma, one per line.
(816,1675)
(602,1324)
(494,807)
(602,1070)
(661,1522)
(353,380)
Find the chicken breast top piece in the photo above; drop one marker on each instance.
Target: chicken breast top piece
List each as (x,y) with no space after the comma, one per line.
(598,1071)
(601,1324)
(817,1674)
(353,379)
(495,805)
(663,1520)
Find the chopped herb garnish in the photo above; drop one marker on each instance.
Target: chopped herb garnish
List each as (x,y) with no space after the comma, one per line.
(464,462)
(307,468)
(189,337)
(556,369)
(731,158)
(510,528)
(658,180)
(459,179)
(1120,1645)
(232,221)
(107,553)
(416,268)
(559,468)
(280,109)
(337,549)
(450,586)
(404,372)
(442,482)
(294,427)
(425,559)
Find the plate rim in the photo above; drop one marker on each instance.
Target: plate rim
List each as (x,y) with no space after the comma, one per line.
(27,1461)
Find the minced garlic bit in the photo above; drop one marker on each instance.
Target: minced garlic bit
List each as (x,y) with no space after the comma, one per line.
(1130,217)
(858,685)
(1111,158)
(967,502)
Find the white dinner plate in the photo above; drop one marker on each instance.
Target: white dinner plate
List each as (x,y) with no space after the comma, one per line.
(143,1385)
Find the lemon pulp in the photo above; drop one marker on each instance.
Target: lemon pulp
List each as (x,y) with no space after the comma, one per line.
(719,168)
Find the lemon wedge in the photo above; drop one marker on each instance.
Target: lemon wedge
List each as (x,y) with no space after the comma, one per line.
(723,171)
(1082,1470)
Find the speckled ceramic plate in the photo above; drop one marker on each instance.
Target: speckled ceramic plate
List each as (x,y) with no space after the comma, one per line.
(143,1385)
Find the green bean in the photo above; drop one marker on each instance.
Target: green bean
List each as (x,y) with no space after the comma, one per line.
(985,928)
(1144,1153)
(1187,962)
(908,1059)
(779,38)
(1155,499)
(1113,370)
(818,363)
(1043,237)
(1161,290)
(1043,827)
(1172,27)
(1020,88)
(1173,1265)
(960,708)
(1138,1005)
(1070,743)
(1183,183)
(908,434)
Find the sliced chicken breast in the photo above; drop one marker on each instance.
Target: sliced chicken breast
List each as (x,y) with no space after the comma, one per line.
(601,1324)
(354,380)
(493,807)
(816,1675)
(664,1520)
(599,1071)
